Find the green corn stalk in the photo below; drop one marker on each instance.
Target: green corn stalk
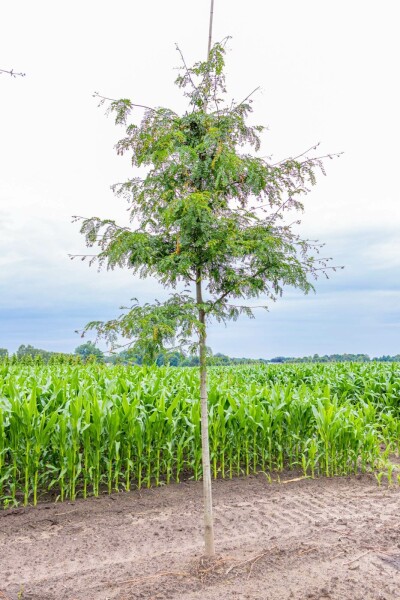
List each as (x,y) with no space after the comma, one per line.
(141,425)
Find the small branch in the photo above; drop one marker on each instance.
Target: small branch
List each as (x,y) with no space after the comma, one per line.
(247,306)
(357,558)
(80,255)
(12,73)
(247,97)
(278,210)
(105,223)
(218,300)
(250,560)
(334,267)
(315,158)
(185,66)
(306,550)
(334,154)
(296,479)
(202,573)
(253,563)
(97,95)
(299,155)
(119,346)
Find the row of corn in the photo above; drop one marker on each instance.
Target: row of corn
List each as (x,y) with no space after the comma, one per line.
(73,430)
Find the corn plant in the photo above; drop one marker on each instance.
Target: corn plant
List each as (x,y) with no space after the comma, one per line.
(77,430)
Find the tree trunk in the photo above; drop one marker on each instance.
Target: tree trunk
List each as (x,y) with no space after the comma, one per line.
(205,449)
(209,548)
(210,28)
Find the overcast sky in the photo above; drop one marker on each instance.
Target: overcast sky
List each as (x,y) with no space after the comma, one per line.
(328,73)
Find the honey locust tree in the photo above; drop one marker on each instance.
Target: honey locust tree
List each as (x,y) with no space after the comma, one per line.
(206,222)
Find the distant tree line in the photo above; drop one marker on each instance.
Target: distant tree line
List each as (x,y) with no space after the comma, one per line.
(31,355)
(334,358)
(89,352)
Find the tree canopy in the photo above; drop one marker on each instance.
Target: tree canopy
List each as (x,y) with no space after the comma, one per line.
(89,350)
(208,210)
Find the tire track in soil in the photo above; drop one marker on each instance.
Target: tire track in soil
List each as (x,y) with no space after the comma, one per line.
(313,536)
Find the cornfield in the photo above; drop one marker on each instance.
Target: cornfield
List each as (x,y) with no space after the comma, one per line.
(73,430)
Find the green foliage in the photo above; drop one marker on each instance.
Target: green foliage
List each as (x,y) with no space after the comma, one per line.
(323,359)
(209,213)
(32,352)
(77,429)
(28,354)
(176,358)
(89,352)
(388,358)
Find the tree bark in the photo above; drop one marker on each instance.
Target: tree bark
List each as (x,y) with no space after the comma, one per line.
(205,449)
(210,28)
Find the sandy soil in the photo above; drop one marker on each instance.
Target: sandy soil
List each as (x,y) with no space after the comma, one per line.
(313,539)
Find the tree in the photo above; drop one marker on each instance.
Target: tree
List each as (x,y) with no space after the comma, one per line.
(30,351)
(87,350)
(3,353)
(207,222)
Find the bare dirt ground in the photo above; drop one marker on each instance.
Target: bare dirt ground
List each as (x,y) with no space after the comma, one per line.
(309,539)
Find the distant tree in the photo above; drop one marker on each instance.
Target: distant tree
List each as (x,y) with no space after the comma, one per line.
(25,350)
(191,361)
(173,359)
(219,359)
(278,359)
(207,214)
(3,353)
(88,350)
(323,359)
(30,352)
(387,358)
